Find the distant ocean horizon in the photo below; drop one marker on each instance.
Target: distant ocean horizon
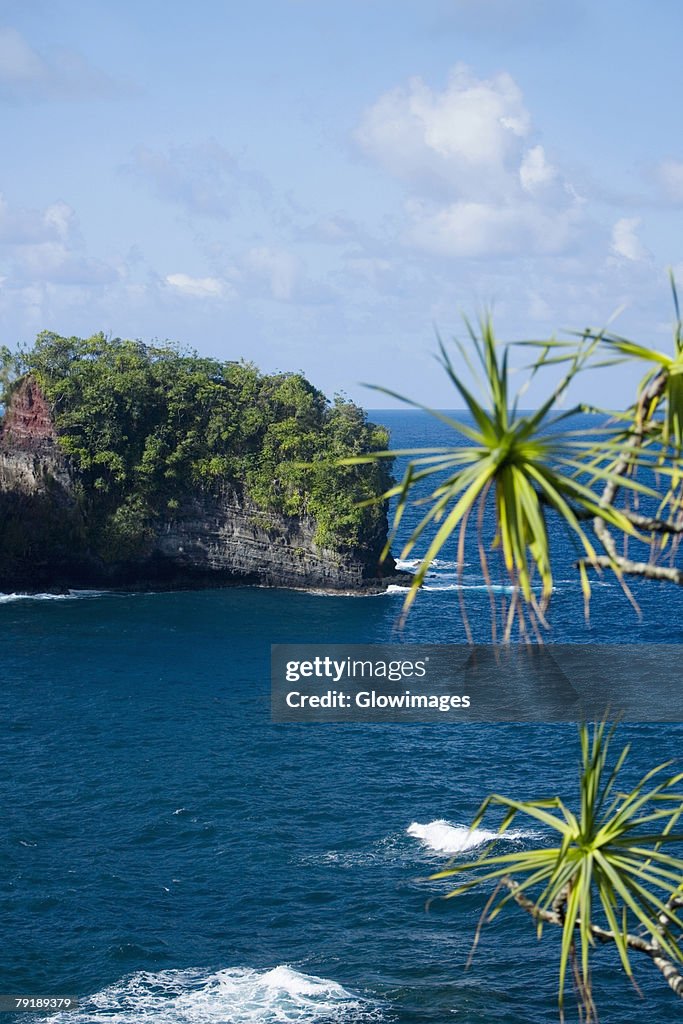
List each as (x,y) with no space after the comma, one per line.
(171,856)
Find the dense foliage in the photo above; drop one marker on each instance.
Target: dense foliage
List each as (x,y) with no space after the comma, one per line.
(147,425)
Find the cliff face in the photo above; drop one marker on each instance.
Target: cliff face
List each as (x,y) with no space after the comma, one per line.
(28,424)
(230,536)
(214,538)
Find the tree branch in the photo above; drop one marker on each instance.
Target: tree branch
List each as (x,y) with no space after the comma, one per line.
(649,524)
(652,525)
(652,392)
(629,568)
(666,967)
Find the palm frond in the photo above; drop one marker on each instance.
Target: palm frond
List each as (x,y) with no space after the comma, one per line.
(519,465)
(608,871)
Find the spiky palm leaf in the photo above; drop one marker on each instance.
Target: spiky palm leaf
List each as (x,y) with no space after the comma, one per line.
(606,865)
(523,464)
(670,367)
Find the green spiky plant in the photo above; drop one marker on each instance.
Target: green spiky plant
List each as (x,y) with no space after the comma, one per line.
(666,373)
(521,466)
(654,423)
(604,871)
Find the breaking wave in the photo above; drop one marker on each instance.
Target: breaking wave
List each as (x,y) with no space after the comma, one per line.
(237,995)
(408,564)
(442,836)
(496,588)
(70,595)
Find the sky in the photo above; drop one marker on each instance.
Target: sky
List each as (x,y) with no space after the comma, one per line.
(326,185)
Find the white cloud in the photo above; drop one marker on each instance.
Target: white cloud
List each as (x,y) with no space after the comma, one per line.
(625,241)
(205,179)
(331,230)
(60,217)
(463,140)
(539,307)
(18,62)
(26,226)
(370,268)
(278,266)
(480,229)
(64,74)
(199,287)
(44,246)
(54,262)
(535,172)
(480,184)
(669,174)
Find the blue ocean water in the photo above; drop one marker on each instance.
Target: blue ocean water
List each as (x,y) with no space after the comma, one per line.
(169,855)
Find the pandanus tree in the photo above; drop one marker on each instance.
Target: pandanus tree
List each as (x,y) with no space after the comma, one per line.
(608,872)
(516,469)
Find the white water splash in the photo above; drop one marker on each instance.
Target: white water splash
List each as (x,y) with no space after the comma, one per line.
(442,836)
(70,595)
(409,564)
(236,995)
(496,588)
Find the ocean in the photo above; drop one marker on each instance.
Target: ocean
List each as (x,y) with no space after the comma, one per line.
(171,856)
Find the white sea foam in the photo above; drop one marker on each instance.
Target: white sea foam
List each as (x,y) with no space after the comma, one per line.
(408,564)
(70,595)
(237,995)
(382,851)
(433,587)
(443,836)
(496,588)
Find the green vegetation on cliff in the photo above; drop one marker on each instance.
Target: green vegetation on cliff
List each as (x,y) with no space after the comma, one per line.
(147,425)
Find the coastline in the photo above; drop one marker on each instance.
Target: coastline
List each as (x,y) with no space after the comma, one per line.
(371,588)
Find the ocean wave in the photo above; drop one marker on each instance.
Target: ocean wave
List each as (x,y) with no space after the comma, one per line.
(70,595)
(382,851)
(408,564)
(594,583)
(239,995)
(344,858)
(442,836)
(433,587)
(496,588)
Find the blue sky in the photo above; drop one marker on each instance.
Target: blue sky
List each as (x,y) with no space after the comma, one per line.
(318,185)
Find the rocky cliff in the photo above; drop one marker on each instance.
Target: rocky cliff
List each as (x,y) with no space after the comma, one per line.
(214,537)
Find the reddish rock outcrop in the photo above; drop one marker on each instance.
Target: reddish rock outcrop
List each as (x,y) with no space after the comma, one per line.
(28,423)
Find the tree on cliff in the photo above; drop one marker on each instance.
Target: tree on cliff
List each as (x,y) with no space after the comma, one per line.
(146,425)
